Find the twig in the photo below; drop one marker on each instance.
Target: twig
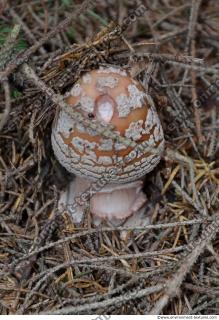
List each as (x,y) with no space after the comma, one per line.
(67,264)
(5,115)
(173,285)
(28,32)
(194,99)
(62,26)
(192,23)
(191,33)
(213,143)
(93,231)
(187,197)
(106,303)
(186,62)
(166,58)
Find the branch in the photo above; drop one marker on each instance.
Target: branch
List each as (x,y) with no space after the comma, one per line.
(62,26)
(4,116)
(93,231)
(106,303)
(173,285)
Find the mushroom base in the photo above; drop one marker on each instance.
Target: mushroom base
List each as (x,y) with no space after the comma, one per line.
(118,201)
(113,202)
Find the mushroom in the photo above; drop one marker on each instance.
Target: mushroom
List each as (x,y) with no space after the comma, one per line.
(109,171)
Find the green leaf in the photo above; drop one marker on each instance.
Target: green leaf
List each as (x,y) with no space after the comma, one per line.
(16,94)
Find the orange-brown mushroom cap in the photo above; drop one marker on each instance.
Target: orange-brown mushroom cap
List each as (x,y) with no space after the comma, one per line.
(112,97)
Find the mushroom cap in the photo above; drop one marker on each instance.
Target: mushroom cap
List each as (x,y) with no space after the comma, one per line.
(112,97)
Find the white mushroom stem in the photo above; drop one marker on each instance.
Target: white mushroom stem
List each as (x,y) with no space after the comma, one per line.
(112,201)
(118,201)
(69,199)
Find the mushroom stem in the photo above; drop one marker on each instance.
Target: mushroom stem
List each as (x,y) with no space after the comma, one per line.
(113,201)
(118,201)
(73,198)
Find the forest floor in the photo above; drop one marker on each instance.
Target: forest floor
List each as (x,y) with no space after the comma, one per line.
(48,264)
